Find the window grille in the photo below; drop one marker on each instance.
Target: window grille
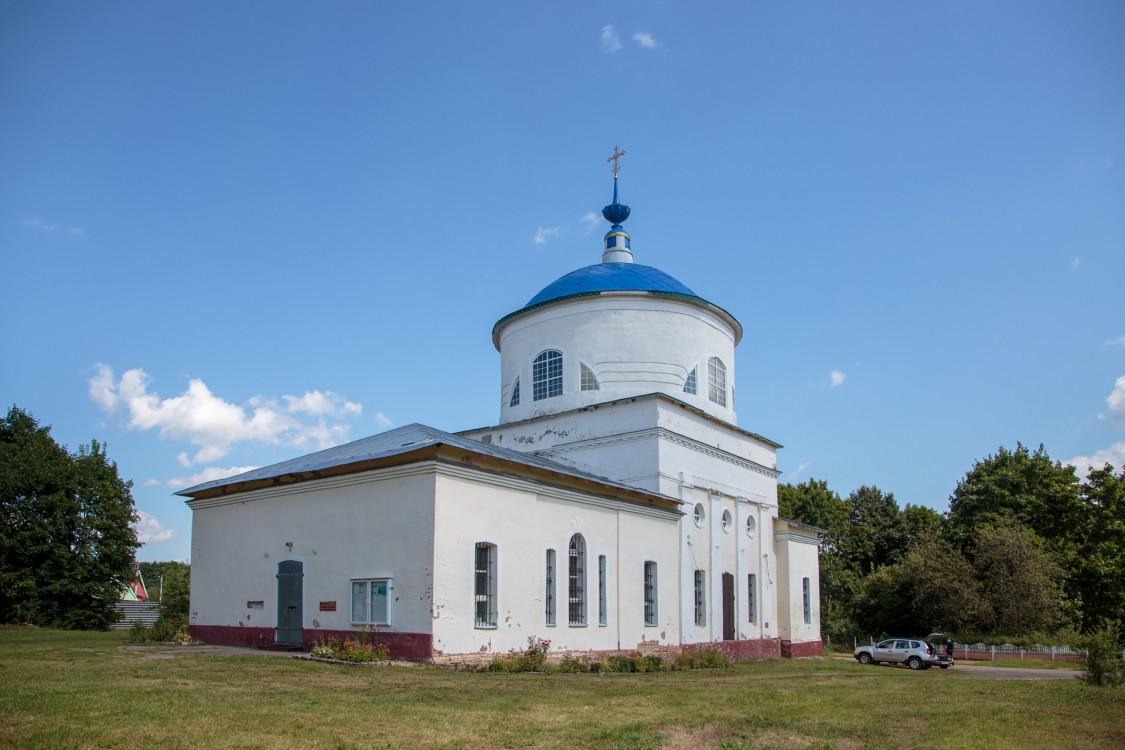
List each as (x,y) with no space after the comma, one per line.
(650,593)
(515,394)
(700,598)
(689,384)
(752,595)
(550,597)
(485,590)
(589,382)
(717,381)
(547,375)
(807,586)
(603,614)
(576,589)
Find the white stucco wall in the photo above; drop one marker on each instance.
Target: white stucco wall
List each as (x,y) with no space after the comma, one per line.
(633,343)
(377,524)
(523,520)
(797,554)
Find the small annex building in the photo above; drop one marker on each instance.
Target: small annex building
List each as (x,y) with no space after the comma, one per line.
(616,506)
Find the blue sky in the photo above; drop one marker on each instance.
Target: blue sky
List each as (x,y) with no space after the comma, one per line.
(231,233)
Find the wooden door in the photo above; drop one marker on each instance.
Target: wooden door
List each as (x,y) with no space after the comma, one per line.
(290,574)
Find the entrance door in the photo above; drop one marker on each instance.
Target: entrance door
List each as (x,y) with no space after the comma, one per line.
(289,615)
(728,607)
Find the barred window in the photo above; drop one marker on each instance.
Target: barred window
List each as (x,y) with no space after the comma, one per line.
(700,598)
(589,382)
(807,586)
(603,614)
(485,588)
(576,581)
(689,384)
(650,593)
(547,375)
(515,394)
(717,381)
(752,596)
(550,595)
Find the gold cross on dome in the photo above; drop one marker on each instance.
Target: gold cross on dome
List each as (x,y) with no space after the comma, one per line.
(617,154)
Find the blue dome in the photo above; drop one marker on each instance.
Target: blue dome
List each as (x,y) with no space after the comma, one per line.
(610,277)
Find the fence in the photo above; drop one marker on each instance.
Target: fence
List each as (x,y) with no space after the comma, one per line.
(983,652)
(131,612)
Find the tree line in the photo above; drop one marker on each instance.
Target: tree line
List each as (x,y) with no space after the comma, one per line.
(1025,550)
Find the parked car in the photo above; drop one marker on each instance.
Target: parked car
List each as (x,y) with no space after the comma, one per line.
(913,652)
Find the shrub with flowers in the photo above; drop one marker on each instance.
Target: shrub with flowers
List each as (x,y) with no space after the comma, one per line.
(530,659)
(350,650)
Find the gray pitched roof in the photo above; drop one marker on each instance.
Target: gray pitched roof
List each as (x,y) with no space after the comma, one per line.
(398,441)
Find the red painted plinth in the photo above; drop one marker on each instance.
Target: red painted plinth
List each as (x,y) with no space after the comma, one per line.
(414,646)
(796,650)
(758,648)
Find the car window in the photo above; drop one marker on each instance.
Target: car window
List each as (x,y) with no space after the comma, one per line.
(886,644)
(901,644)
(915,644)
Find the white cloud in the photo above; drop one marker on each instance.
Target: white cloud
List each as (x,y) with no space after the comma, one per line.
(149,530)
(43,226)
(836,378)
(151,483)
(382,421)
(610,41)
(645,40)
(1116,403)
(591,221)
(1075,262)
(322,404)
(1113,455)
(210,474)
(213,424)
(798,471)
(545,235)
(1119,341)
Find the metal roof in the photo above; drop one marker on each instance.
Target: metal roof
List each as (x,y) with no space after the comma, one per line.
(400,440)
(610,277)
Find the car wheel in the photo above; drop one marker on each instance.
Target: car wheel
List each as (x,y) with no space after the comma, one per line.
(944,666)
(865,658)
(914,662)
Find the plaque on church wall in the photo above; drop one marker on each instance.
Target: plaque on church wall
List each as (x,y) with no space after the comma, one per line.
(328,606)
(255,604)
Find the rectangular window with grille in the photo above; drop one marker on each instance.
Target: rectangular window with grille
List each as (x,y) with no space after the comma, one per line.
(576,581)
(807,586)
(603,614)
(650,593)
(700,598)
(752,596)
(485,588)
(550,594)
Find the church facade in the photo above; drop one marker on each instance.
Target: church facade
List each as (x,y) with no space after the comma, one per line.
(616,505)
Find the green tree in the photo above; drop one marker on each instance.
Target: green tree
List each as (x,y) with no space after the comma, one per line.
(67,541)
(1020,581)
(921,524)
(876,534)
(1028,487)
(1097,575)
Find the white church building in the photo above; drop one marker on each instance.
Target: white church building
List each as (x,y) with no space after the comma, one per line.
(616,506)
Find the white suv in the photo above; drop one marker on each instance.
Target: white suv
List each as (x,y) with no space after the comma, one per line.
(913,652)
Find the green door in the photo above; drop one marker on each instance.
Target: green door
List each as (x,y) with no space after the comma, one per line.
(289,616)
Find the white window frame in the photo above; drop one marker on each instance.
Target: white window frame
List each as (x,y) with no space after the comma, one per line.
(485,594)
(547,375)
(551,587)
(690,383)
(576,581)
(806,585)
(717,381)
(700,597)
(369,585)
(651,591)
(603,601)
(588,381)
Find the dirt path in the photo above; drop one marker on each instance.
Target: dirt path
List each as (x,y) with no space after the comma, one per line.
(984,672)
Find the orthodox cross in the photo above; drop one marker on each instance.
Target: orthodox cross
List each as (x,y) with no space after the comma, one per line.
(617,154)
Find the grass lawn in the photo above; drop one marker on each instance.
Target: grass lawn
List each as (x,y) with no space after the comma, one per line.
(77,690)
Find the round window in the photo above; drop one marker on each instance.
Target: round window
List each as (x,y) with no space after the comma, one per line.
(750,526)
(700,515)
(727,521)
